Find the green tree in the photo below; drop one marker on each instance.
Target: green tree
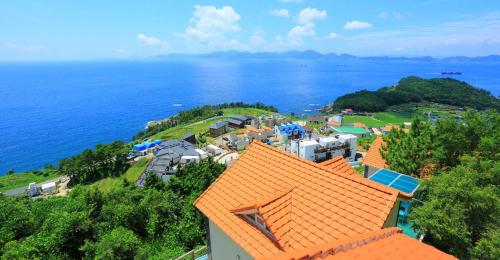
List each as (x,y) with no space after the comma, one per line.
(120,243)
(488,247)
(460,206)
(409,153)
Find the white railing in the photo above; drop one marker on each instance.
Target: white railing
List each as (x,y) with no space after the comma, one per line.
(194,254)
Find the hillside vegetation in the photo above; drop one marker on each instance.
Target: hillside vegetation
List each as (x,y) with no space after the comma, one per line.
(413,90)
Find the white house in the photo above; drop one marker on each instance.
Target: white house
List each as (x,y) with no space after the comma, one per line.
(49,188)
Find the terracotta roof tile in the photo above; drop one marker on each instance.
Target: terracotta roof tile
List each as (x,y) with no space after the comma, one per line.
(388,243)
(296,198)
(341,165)
(374,157)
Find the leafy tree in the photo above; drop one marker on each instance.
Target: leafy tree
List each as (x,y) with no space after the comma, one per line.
(120,243)
(488,247)
(153,181)
(459,207)
(409,153)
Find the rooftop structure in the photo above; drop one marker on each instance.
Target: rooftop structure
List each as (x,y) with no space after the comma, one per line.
(395,180)
(387,243)
(218,125)
(270,202)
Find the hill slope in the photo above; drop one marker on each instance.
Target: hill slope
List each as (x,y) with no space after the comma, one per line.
(414,89)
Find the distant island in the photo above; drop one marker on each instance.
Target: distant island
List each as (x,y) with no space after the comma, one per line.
(314,55)
(412,89)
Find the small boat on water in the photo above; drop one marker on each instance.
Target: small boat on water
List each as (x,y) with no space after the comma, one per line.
(451,73)
(177,105)
(307,110)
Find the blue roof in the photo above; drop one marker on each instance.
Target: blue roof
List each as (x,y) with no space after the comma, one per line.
(395,180)
(139,147)
(291,129)
(145,145)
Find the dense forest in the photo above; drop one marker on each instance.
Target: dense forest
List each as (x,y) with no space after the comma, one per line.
(197,114)
(156,222)
(414,89)
(458,203)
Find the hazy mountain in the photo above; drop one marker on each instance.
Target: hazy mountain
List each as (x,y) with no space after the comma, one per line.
(314,55)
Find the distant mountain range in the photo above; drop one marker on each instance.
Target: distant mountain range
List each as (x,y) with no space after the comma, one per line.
(314,55)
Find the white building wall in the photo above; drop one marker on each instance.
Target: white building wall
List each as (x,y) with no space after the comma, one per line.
(223,247)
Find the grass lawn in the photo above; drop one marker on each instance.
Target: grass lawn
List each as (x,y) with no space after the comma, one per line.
(245,111)
(393,118)
(367,120)
(131,175)
(18,180)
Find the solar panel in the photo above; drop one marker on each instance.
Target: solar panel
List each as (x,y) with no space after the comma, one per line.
(395,180)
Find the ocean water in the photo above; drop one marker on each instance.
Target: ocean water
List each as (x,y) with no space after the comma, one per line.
(51,110)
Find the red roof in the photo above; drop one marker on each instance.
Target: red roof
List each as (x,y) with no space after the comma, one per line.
(333,123)
(302,203)
(374,157)
(387,243)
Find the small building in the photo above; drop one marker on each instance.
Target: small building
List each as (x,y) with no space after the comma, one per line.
(146,147)
(203,155)
(235,123)
(319,120)
(49,188)
(357,131)
(169,154)
(247,120)
(189,138)
(214,150)
(239,142)
(336,118)
(32,190)
(373,160)
(218,129)
(189,159)
(324,148)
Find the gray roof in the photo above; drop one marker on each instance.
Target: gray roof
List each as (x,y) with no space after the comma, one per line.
(240,117)
(235,121)
(218,125)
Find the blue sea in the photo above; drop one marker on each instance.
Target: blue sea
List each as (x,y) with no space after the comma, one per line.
(51,110)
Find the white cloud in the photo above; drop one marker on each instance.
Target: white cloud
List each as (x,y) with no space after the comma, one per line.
(386,14)
(357,25)
(209,25)
(308,15)
(296,34)
(150,40)
(333,35)
(257,37)
(280,12)
(291,1)
(21,47)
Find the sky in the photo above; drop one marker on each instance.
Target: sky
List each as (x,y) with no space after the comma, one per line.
(115,29)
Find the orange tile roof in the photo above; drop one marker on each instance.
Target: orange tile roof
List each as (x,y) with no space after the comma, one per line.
(310,204)
(358,124)
(333,123)
(341,165)
(387,243)
(374,157)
